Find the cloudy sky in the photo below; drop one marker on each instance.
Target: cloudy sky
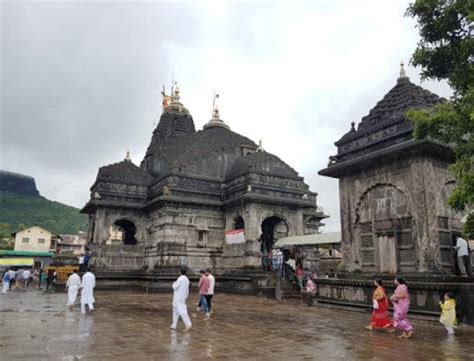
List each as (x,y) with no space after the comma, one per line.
(80,80)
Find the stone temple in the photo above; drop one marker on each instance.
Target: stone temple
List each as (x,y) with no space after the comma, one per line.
(394,215)
(192,186)
(394,189)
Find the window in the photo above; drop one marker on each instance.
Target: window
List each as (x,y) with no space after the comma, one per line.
(25,240)
(202,237)
(41,240)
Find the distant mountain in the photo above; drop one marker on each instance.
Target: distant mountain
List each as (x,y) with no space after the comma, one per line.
(16,209)
(17,183)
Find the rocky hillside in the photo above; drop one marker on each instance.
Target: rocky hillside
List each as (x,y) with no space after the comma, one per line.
(17,183)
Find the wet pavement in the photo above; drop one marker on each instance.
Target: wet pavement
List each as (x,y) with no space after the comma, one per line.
(135,326)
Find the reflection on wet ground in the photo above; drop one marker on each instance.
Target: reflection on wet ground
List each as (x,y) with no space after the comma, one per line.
(135,326)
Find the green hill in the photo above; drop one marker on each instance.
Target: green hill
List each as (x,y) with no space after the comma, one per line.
(18,209)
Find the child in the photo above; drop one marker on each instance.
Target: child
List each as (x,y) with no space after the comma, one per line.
(448,313)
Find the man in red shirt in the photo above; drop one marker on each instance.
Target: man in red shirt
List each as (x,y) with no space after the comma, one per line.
(203,286)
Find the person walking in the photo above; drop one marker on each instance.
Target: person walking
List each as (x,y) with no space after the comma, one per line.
(12,274)
(180,295)
(51,280)
(42,278)
(6,281)
(73,285)
(462,254)
(380,317)
(203,287)
(19,279)
(448,313)
(26,278)
(35,277)
(210,291)
(87,293)
(401,304)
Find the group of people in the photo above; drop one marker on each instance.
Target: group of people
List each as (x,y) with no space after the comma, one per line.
(401,304)
(86,286)
(21,278)
(180,295)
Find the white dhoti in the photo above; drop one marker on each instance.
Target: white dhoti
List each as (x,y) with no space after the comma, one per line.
(72,295)
(180,310)
(87,293)
(181,292)
(6,287)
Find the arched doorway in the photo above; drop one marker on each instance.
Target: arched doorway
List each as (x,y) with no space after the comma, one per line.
(128,231)
(273,228)
(384,227)
(239,223)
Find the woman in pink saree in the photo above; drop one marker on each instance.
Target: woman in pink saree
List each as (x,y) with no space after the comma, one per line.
(401,304)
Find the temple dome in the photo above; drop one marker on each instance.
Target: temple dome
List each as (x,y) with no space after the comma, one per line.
(262,163)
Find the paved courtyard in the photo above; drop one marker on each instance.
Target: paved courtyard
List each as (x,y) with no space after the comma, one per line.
(135,326)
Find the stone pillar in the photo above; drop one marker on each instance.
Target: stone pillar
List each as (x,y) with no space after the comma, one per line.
(431,189)
(418,203)
(252,226)
(350,253)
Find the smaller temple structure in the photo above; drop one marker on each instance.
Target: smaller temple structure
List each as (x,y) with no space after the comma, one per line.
(394,214)
(394,189)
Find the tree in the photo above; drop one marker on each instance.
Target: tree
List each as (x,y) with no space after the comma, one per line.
(446,52)
(6,239)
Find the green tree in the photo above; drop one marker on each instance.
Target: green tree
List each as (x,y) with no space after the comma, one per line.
(446,52)
(6,239)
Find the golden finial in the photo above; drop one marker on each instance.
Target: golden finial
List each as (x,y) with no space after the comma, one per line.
(403,74)
(127,156)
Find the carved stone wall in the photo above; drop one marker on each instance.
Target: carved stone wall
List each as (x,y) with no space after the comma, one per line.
(395,218)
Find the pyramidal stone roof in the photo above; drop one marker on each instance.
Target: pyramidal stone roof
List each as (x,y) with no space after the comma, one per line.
(384,129)
(124,172)
(390,110)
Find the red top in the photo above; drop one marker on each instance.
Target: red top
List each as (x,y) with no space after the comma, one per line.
(299,271)
(203,285)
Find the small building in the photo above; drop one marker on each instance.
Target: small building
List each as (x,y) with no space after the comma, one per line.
(72,244)
(35,239)
(25,259)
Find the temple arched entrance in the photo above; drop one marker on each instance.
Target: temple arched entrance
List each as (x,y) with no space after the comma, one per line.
(128,230)
(385,229)
(273,228)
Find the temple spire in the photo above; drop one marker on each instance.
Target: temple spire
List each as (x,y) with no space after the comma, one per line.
(171,102)
(403,74)
(215,121)
(215,108)
(127,156)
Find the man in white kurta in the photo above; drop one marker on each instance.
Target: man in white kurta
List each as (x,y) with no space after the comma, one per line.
(180,295)
(73,284)
(87,293)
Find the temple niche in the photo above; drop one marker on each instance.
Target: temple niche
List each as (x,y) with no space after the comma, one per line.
(394,190)
(191,187)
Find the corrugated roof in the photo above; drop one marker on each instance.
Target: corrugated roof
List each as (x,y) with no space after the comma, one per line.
(26,253)
(310,239)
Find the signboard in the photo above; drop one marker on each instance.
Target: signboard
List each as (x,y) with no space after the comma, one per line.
(235,236)
(17,261)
